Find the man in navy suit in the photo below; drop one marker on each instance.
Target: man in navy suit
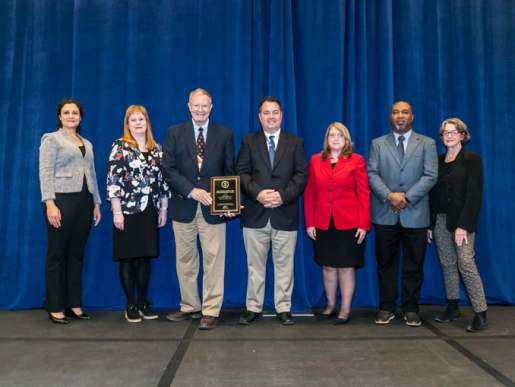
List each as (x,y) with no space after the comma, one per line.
(273,170)
(402,167)
(193,152)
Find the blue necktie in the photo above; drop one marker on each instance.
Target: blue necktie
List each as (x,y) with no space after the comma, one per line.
(401,148)
(271,151)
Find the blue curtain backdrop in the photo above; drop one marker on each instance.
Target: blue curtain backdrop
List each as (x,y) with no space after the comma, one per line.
(327,61)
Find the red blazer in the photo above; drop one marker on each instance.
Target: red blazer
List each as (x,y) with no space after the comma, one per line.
(342,192)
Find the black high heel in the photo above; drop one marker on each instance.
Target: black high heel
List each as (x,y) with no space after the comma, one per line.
(325,316)
(58,320)
(341,321)
(70,313)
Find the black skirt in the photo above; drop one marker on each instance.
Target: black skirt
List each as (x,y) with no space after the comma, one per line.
(338,248)
(140,237)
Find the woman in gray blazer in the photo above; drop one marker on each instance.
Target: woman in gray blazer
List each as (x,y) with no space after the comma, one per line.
(71,200)
(455,203)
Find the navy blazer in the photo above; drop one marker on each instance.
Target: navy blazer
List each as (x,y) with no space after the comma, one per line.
(464,191)
(180,167)
(289,176)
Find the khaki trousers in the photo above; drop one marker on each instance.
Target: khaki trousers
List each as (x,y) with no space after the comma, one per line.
(257,243)
(212,241)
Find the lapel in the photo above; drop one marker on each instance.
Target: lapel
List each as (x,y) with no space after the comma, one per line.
(280,147)
(458,157)
(414,142)
(326,166)
(263,148)
(71,143)
(189,138)
(211,143)
(390,144)
(339,165)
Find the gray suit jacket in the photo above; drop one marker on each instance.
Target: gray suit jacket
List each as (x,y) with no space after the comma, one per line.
(62,167)
(415,177)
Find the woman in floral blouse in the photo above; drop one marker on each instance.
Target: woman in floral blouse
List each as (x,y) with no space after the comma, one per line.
(139,200)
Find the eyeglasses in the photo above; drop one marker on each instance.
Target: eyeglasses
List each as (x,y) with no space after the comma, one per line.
(452,133)
(336,135)
(197,106)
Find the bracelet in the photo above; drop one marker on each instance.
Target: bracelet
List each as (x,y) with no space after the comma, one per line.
(117,213)
(163,209)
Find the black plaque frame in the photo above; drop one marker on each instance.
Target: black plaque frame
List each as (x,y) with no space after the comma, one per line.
(225,191)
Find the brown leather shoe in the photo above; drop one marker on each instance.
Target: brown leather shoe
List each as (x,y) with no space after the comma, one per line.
(181,316)
(207,322)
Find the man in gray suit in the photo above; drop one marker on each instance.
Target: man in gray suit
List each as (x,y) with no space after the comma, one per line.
(402,167)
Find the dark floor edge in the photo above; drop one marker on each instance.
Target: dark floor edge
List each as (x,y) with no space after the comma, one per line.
(494,372)
(239,339)
(176,360)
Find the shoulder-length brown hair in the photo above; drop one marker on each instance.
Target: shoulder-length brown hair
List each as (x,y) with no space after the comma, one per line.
(127,136)
(460,127)
(347,148)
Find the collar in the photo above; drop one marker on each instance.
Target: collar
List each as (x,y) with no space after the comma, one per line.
(406,136)
(204,129)
(275,134)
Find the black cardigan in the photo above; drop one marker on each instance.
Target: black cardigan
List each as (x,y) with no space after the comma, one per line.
(464,191)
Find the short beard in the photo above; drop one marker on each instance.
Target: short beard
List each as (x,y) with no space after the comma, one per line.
(401,128)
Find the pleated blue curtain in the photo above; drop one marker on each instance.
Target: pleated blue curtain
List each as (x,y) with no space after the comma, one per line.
(327,61)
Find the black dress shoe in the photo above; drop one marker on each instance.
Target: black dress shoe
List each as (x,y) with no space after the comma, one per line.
(70,313)
(326,316)
(250,317)
(57,320)
(341,321)
(285,318)
(480,323)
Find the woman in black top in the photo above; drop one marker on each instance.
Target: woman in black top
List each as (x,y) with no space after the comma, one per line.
(455,204)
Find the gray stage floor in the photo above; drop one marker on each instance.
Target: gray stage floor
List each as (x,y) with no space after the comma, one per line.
(108,351)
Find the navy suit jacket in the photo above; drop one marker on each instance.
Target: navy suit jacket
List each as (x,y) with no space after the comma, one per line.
(180,167)
(288,176)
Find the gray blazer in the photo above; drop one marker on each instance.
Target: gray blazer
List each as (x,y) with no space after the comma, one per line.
(415,177)
(62,167)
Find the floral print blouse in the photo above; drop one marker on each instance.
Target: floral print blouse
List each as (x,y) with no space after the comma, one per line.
(134,178)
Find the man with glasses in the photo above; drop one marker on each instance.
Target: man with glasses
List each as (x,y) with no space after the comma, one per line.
(273,170)
(402,167)
(193,152)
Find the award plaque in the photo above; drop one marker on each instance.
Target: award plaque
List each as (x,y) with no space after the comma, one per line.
(225,191)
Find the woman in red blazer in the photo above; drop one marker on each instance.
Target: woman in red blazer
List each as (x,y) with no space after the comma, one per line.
(337,212)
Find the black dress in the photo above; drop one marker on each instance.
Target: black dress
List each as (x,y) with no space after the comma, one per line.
(140,237)
(338,248)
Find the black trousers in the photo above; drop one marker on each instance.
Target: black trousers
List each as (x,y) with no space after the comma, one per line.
(65,254)
(388,248)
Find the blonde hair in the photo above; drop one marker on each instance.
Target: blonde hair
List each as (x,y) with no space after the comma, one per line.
(347,148)
(127,136)
(200,92)
(460,127)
